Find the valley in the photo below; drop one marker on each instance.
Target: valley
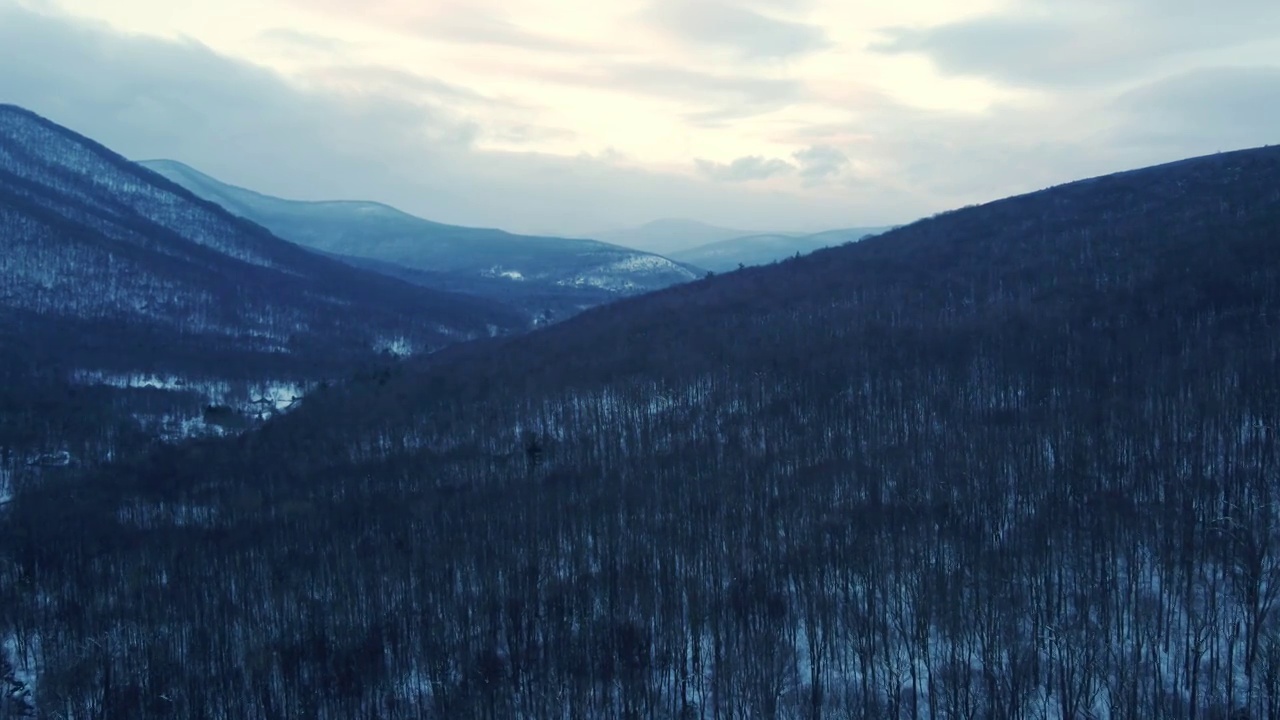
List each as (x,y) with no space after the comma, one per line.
(110,274)
(1010,461)
(542,276)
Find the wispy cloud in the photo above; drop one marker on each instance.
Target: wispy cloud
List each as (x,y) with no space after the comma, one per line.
(465,24)
(1038,43)
(1217,108)
(375,78)
(572,114)
(148,98)
(742,31)
(744,169)
(304,40)
(820,162)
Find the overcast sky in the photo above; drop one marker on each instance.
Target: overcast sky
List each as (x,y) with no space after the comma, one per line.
(570,116)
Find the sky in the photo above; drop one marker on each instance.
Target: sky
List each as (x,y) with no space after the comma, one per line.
(577,116)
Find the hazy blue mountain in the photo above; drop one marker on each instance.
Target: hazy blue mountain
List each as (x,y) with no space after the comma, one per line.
(673,235)
(763,249)
(574,271)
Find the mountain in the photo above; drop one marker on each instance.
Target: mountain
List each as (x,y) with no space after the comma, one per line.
(580,272)
(1017,460)
(726,255)
(672,235)
(111,275)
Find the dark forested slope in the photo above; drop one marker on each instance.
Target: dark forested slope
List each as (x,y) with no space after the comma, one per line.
(1014,461)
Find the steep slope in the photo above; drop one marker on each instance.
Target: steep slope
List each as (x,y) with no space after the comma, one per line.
(110,272)
(1013,461)
(728,254)
(578,269)
(672,235)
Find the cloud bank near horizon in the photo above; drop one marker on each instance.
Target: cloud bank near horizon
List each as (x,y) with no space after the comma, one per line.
(566,117)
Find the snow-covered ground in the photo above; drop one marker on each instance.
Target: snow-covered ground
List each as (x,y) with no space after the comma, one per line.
(22,676)
(246,401)
(136,380)
(278,395)
(400,347)
(497,271)
(631,273)
(647,264)
(6,484)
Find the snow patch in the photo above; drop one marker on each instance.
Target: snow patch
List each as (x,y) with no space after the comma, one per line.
(218,408)
(630,274)
(134,381)
(644,263)
(400,347)
(21,671)
(6,485)
(276,395)
(497,271)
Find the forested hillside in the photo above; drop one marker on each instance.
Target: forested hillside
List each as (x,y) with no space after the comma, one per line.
(125,301)
(1014,461)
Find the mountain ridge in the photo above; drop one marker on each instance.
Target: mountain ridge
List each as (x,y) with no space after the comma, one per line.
(764,248)
(579,269)
(110,272)
(673,235)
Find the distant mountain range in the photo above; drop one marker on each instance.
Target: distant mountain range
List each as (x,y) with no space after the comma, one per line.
(763,249)
(533,273)
(673,235)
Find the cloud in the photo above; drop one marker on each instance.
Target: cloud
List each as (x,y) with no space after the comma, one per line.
(468,25)
(298,40)
(710,98)
(744,169)
(463,22)
(1017,50)
(1202,111)
(1038,43)
(387,79)
(819,162)
(679,82)
(530,134)
(417,124)
(152,98)
(744,32)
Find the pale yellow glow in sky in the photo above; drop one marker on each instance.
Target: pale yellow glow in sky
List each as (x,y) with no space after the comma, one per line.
(570,116)
(537,88)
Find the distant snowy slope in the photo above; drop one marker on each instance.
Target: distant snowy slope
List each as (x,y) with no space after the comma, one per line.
(373,231)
